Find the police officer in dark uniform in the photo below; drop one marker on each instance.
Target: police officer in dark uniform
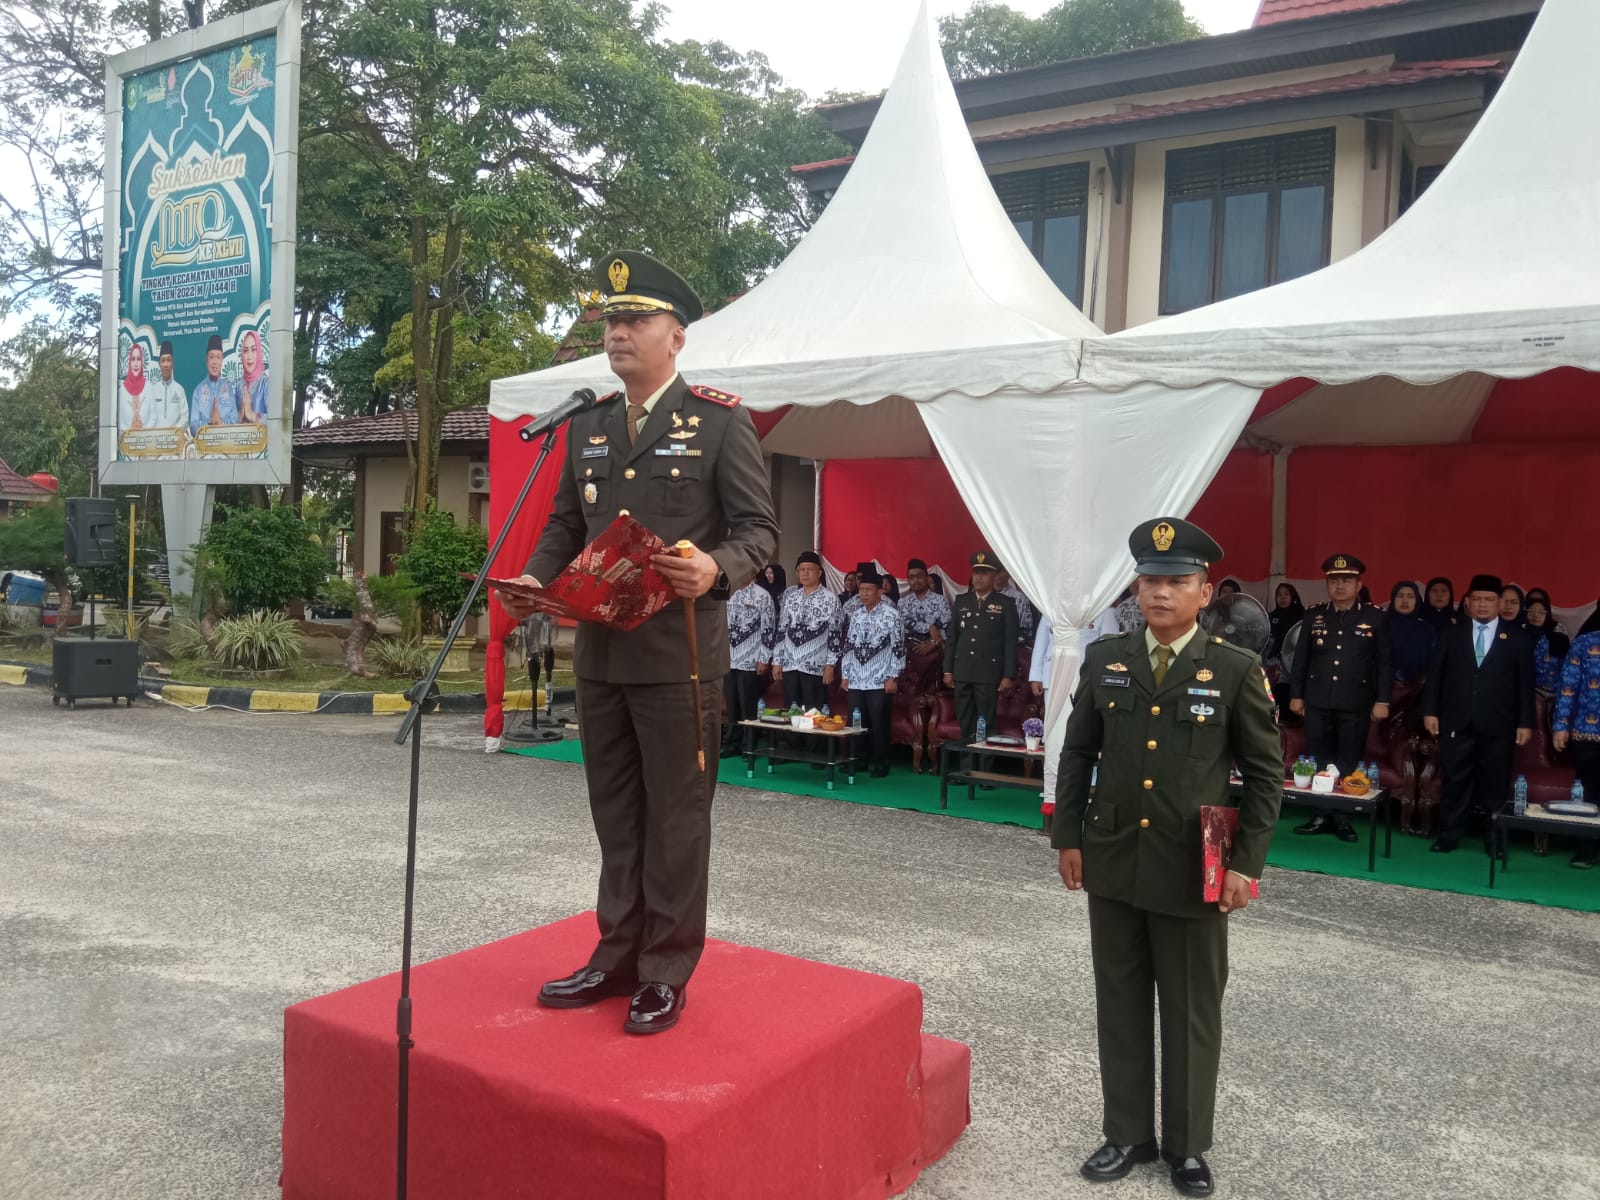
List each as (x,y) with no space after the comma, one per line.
(1341,680)
(1164,713)
(980,651)
(686,463)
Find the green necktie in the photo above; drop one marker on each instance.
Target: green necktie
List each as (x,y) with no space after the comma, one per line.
(636,415)
(1163,661)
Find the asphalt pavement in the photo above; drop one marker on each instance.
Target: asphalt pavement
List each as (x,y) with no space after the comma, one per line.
(170,881)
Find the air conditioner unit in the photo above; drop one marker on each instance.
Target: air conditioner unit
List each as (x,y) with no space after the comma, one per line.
(478,477)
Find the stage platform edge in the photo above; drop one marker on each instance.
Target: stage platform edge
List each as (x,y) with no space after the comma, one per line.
(786,1079)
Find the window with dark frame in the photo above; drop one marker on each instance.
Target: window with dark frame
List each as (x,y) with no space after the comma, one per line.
(391,540)
(1243,215)
(1050,209)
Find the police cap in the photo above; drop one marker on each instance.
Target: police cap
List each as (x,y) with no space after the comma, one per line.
(1343,564)
(635,283)
(1172,546)
(984,560)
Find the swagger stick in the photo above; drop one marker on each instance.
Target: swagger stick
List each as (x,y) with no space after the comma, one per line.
(686,550)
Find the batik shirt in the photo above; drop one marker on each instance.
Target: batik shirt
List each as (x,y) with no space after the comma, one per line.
(1025,617)
(224,393)
(874,647)
(752,627)
(922,613)
(855,603)
(1546,666)
(1578,699)
(808,631)
(1130,617)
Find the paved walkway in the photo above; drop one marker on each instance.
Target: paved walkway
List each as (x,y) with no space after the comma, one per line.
(169,881)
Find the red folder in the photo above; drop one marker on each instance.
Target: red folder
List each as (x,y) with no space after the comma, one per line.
(1218,824)
(611,582)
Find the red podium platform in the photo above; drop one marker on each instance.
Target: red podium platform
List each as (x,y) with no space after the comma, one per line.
(784,1079)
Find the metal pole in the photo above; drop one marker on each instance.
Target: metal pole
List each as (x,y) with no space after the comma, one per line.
(133,534)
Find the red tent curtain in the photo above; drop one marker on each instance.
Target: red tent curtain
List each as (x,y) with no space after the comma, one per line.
(510,460)
(892,509)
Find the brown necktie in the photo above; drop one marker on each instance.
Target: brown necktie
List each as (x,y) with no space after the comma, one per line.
(635,419)
(1163,661)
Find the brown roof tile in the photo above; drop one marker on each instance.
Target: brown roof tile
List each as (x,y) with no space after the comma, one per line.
(1275,12)
(17,487)
(462,425)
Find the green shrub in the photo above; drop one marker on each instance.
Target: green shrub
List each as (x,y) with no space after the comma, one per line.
(398,659)
(397,596)
(262,559)
(187,640)
(436,553)
(259,641)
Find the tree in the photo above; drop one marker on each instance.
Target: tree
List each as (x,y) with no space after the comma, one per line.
(262,558)
(49,417)
(991,37)
(436,554)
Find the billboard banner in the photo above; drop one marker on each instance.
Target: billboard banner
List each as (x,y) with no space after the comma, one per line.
(197,347)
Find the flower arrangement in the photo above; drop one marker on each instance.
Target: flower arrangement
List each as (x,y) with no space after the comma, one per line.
(1033,732)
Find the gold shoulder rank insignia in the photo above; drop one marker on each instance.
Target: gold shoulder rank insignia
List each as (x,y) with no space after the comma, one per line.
(726,399)
(1116,667)
(1217,640)
(1205,675)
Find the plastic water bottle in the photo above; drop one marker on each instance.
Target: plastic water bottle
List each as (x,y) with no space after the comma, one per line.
(855,718)
(1519,793)
(1577,790)
(983,730)
(825,711)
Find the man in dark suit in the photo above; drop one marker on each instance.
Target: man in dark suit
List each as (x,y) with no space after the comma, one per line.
(1164,713)
(1478,702)
(686,463)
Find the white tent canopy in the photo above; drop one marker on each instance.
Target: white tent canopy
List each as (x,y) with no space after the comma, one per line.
(912,285)
(1495,269)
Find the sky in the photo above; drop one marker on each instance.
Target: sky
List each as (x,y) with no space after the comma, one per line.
(853,45)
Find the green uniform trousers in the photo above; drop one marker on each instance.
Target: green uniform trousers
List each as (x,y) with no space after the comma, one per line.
(1138,954)
(974,700)
(651,806)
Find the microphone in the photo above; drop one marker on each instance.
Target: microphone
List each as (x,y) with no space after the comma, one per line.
(580,401)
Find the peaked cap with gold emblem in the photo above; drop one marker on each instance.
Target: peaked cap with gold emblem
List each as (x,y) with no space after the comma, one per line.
(1343,564)
(1172,546)
(633,282)
(985,560)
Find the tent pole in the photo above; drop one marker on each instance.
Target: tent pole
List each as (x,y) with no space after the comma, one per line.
(1278,568)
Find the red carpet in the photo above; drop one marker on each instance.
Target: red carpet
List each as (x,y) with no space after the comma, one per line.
(784,1079)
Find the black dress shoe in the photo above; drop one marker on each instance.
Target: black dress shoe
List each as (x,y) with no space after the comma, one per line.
(1583,860)
(655,1007)
(1442,846)
(584,987)
(731,752)
(879,772)
(1320,823)
(1114,1162)
(1191,1176)
(1343,831)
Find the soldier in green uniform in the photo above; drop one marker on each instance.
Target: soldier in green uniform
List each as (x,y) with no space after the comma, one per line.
(686,463)
(1164,713)
(980,650)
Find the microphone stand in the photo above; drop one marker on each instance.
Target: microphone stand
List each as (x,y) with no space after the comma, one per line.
(424,697)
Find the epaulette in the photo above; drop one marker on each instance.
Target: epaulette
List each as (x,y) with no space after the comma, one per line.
(608,396)
(1224,644)
(726,399)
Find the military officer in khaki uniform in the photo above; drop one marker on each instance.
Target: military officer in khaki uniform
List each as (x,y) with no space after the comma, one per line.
(1164,713)
(980,649)
(686,463)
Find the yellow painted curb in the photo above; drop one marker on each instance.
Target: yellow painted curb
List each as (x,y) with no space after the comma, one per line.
(284,701)
(389,702)
(14,675)
(518,701)
(184,694)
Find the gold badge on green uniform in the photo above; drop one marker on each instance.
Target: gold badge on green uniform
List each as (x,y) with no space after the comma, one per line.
(1116,667)
(618,273)
(1205,675)
(1162,535)
(590,493)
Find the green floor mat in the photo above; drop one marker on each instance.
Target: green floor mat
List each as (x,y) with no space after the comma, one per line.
(1541,880)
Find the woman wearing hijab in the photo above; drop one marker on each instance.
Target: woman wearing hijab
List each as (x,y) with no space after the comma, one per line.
(254,386)
(130,391)
(1550,644)
(1592,625)
(1229,587)
(1285,615)
(774,580)
(1440,611)
(1512,602)
(1411,637)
